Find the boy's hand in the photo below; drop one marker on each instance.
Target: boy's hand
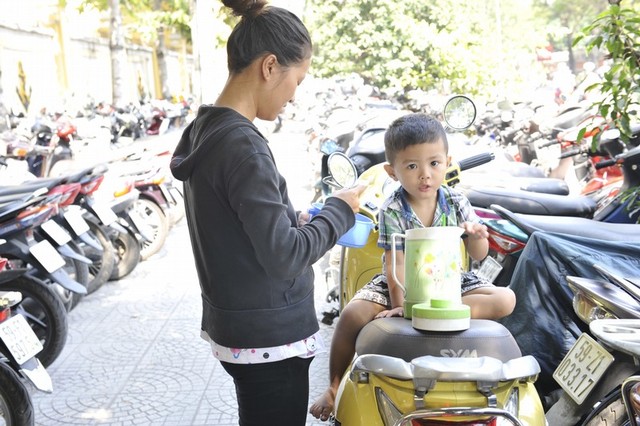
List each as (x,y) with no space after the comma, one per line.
(475,231)
(395,312)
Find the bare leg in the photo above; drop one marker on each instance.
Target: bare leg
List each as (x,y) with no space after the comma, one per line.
(353,318)
(490,302)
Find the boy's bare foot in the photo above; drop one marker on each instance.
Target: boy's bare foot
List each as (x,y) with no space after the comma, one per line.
(323,407)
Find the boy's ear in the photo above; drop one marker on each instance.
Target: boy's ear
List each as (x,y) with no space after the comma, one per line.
(448,161)
(389,169)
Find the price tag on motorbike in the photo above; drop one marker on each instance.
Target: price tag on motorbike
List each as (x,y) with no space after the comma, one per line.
(104,213)
(19,338)
(56,232)
(76,221)
(47,256)
(582,367)
(489,269)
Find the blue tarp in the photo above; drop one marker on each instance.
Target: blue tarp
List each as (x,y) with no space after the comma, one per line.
(543,321)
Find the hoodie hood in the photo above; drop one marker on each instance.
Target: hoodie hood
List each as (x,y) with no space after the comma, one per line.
(210,125)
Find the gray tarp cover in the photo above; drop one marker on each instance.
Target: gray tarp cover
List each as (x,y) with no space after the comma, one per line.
(543,321)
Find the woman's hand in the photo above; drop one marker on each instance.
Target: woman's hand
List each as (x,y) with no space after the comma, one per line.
(303,218)
(395,312)
(351,196)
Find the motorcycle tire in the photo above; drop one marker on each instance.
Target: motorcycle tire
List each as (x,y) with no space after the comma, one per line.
(159,223)
(127,250)
(16,407)
(80,274)
(103,261)
(610,411)
(44,312)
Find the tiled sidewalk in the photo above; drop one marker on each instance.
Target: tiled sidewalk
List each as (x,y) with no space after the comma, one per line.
(134,355)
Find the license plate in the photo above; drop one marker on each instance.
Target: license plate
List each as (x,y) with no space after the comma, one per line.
(18,336)
(490,269)
(56,232)
(582,367)
(104,213)
(76,221)
(47,256)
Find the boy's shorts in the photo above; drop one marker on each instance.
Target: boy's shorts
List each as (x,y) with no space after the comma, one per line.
(377,290)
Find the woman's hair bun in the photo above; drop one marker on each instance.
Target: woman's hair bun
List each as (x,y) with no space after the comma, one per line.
(245,8)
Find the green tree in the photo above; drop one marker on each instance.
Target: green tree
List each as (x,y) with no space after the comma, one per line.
(462,46)
(563,19)
(617,31)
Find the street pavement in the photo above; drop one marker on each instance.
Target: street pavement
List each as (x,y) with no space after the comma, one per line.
(134,355)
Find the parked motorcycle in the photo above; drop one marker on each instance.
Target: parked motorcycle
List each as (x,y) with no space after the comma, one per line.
(599,372)
(406,375)
(19,347)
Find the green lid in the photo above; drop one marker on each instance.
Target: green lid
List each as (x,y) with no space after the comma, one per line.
(441,309)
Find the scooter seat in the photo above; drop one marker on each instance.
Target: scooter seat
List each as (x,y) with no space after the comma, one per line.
(396,337)
(532,202)
(30,186)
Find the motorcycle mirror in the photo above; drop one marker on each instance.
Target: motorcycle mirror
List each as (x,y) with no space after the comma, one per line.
(342,171)
(459,112)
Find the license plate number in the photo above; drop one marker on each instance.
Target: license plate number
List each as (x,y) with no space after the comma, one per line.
(47,256)
(18,336)
(104,213)
(582,367)
(76,221)
(490,269)
(56,232)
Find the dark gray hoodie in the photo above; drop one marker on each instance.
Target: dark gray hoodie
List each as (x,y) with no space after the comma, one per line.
(254,263)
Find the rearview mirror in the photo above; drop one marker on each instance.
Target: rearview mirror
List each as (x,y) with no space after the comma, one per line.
(459,112)
(342,171)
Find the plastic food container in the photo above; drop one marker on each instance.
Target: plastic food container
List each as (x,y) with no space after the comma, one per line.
(358,235)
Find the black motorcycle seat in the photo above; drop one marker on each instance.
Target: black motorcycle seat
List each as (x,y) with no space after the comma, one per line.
(396,337)
(533,203)
(570,118)
(546,186)
(583,227)
(30,186)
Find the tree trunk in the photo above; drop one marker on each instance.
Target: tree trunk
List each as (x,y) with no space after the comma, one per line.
(118,52)
(161,50)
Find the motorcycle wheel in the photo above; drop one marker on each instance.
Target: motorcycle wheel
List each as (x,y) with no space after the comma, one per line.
(44,312)
(103,261)
(80,274)
(157,221)
(610,412)
(16,407)
(127,250)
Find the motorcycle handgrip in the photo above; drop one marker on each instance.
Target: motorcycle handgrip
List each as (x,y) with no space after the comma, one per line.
(549,143)
(476,160)
(605,163)
(571,152)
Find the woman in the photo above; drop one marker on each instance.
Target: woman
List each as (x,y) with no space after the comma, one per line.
(253,252)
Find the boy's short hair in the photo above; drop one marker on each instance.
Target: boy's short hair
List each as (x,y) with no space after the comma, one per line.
(412,129)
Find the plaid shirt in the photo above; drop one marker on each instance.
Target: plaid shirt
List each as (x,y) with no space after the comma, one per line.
(396,215)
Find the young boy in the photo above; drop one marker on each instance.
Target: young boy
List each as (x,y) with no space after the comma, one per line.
(417,152)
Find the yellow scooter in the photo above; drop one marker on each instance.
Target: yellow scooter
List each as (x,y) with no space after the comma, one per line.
(402,375)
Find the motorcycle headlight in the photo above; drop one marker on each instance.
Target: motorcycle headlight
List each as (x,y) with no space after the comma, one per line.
(388,411)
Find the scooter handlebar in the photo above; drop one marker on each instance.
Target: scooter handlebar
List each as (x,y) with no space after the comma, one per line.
(571,152)
(605,163)
(549,143)
(476,160)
